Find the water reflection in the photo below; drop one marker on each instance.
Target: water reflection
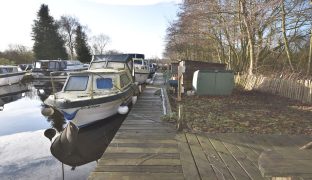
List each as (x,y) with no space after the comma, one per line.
(77,147)
(11,93)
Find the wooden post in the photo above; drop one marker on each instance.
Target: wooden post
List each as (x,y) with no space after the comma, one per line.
(180,118)
(180,73)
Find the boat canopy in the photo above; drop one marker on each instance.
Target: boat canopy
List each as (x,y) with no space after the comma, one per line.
(124,58)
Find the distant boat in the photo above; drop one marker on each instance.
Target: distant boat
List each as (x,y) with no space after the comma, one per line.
(141,70)
(93,95)
(46,70)
(10,75)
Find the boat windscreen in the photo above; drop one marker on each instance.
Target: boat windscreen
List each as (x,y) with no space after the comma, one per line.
(137,61)
(116,65)
(77,83)
(104,83)
(98,65)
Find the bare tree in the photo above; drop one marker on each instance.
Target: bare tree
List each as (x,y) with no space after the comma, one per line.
(99,42)
(67,25)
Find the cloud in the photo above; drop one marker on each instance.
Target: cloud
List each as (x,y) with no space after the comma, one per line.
(135,2)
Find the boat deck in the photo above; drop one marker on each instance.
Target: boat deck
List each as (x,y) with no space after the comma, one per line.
(145,147)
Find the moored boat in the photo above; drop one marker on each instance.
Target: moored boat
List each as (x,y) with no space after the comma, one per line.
(10,75)
(45,70)
(141,70)
(93,95)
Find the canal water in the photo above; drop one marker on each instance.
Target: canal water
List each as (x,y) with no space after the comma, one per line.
(25,151)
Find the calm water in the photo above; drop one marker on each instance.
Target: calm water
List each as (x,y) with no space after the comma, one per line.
(25,151)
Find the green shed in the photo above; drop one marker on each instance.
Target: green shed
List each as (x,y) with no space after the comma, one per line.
(213,82)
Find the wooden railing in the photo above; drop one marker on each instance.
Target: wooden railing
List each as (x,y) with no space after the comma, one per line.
(291,88)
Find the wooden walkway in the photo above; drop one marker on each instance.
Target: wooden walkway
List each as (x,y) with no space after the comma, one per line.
(147,148)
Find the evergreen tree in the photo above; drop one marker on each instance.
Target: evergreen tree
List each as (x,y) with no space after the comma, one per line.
(48,42)
(81,47)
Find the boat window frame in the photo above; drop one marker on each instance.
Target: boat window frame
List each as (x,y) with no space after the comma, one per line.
(137,60)
(86,87)
(98,78)
(94,64)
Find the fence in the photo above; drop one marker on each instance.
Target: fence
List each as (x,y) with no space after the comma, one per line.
(291,88)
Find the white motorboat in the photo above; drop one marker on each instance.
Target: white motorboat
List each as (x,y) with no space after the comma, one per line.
(93,95)
(141,70)
(45,70)
(10,75)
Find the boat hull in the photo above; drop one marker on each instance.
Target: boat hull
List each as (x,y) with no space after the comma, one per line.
(85,112)
(11,78)
(141,77)
(90,114)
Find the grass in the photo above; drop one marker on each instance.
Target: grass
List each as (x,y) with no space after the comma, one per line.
(244,112)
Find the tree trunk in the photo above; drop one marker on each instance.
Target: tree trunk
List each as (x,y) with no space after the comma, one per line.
(287,49)
(310,55)
(249,36)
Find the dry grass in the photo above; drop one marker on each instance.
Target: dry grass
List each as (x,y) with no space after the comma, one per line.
(245,111)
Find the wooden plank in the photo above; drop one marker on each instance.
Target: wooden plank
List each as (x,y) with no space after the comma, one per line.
(144,127)
(242,159)
(143,145)
(135,176)
(287,162)
(244,145)
(140,161)
(140,168)
(190,171)
(165,141)
(236,170)
(107,155)
(143,135)
(141,150)
(146,137)
(204,168)
(214,159)
(148,131)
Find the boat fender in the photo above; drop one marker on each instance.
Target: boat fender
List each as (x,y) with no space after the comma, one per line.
(123,109)
(47,111)
(134,99)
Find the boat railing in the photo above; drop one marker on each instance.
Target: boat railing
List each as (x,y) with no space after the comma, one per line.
(52,75)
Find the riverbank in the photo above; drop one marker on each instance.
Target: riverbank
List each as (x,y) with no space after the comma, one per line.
(242,112)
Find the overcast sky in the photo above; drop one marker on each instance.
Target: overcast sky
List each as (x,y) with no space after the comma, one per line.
(134,26)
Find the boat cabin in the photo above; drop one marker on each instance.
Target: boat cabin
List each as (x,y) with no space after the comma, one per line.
(97,81)
(115,61)
(8,69)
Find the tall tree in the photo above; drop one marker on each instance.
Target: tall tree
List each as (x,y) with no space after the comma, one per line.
(48,42)
(81,46)
(99,43)
(68,25)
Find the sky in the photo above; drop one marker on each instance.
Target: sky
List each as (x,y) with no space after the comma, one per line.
(134,26)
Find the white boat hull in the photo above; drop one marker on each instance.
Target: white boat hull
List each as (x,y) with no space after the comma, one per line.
(9,79)
(89,114)
(141,77)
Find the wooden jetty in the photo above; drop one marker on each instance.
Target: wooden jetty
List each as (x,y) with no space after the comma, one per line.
(147,148)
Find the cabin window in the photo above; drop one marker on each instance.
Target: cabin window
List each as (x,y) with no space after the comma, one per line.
(77,83)
(98,65)
(124,80)
(38,65)
(137,62)
(116,65)
(104,83)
